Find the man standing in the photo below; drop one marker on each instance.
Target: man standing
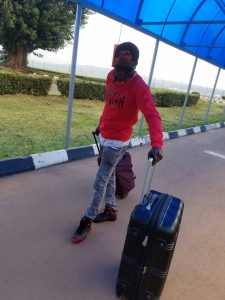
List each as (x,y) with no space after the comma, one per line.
(126,93)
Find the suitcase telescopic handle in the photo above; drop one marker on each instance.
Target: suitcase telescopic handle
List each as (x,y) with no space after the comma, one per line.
(148,179)
(96,142)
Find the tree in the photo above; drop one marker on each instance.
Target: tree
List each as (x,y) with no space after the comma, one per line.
(27,25)
(3,56)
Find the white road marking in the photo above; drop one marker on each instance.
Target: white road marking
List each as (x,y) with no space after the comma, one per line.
(215,154)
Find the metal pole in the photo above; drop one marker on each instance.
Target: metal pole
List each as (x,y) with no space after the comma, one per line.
(149,82)
(211,98)
(187,94)
(223,115)
(121,26)
(72,74)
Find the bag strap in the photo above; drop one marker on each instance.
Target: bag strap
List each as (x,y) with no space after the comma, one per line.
(96,142)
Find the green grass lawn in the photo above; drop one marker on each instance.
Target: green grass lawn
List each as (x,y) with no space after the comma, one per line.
(37,124)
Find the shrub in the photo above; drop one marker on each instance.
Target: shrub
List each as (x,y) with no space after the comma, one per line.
(84,89)
(91,79)
(193,98)
(169,98)
(92,89)
(25,84)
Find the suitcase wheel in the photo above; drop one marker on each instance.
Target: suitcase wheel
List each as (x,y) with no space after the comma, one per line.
(120,288)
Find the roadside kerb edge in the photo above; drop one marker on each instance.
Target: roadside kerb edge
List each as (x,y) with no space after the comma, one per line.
(40,160)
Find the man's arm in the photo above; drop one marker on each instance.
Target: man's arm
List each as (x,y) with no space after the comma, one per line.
(147,106)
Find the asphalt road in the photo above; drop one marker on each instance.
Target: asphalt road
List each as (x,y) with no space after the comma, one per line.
(39,211)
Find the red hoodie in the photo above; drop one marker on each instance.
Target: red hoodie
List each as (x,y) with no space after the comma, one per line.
(123,100)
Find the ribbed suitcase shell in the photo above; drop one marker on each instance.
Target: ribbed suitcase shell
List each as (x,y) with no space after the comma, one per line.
(150,241)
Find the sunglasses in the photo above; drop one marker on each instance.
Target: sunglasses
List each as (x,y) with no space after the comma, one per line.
(126,70)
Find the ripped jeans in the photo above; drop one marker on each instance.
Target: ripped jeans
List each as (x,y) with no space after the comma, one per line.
(105,181)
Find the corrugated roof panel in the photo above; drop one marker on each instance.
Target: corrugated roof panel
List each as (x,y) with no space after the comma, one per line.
(156,30)
(220,37)
(217,54)
(177,11)
(173,33)
(209,39)
(97,3)
(155,11)
(194,34)
(126,8)
(194,26)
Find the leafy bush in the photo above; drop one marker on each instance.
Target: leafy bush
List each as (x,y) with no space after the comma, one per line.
(193,98)
(84,89)
(223,97)
(169,98)
(25,84)
(93,89)
(91,79)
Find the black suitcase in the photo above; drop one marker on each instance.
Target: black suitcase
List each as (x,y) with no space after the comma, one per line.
(150,242)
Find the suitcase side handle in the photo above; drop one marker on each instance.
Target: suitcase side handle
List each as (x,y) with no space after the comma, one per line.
(148,180)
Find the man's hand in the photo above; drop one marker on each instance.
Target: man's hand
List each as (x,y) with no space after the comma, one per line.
(97,131)
(156,154)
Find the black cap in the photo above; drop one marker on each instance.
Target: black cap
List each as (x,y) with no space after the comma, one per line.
(127,51)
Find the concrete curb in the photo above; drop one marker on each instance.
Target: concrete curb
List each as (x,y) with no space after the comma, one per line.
(40,160)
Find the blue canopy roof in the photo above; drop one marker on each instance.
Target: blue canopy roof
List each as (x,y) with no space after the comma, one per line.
(194,26)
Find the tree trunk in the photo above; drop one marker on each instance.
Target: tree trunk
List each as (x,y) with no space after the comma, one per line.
(17,59)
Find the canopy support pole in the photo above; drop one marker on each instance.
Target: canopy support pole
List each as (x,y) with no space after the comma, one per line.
(211,97)
(72,74)
(149,82)
(223,115)
(187,94)
(121,26)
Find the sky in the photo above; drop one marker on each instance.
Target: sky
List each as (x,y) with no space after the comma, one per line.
(97,40)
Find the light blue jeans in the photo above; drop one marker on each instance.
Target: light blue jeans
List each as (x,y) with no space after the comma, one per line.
(105,181)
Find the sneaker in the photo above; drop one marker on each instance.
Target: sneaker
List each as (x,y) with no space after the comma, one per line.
(108,214)
(82,231)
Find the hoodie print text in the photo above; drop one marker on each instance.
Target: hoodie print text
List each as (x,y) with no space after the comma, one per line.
(114,98)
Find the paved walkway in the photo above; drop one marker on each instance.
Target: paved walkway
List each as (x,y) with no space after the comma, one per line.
(39,210)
